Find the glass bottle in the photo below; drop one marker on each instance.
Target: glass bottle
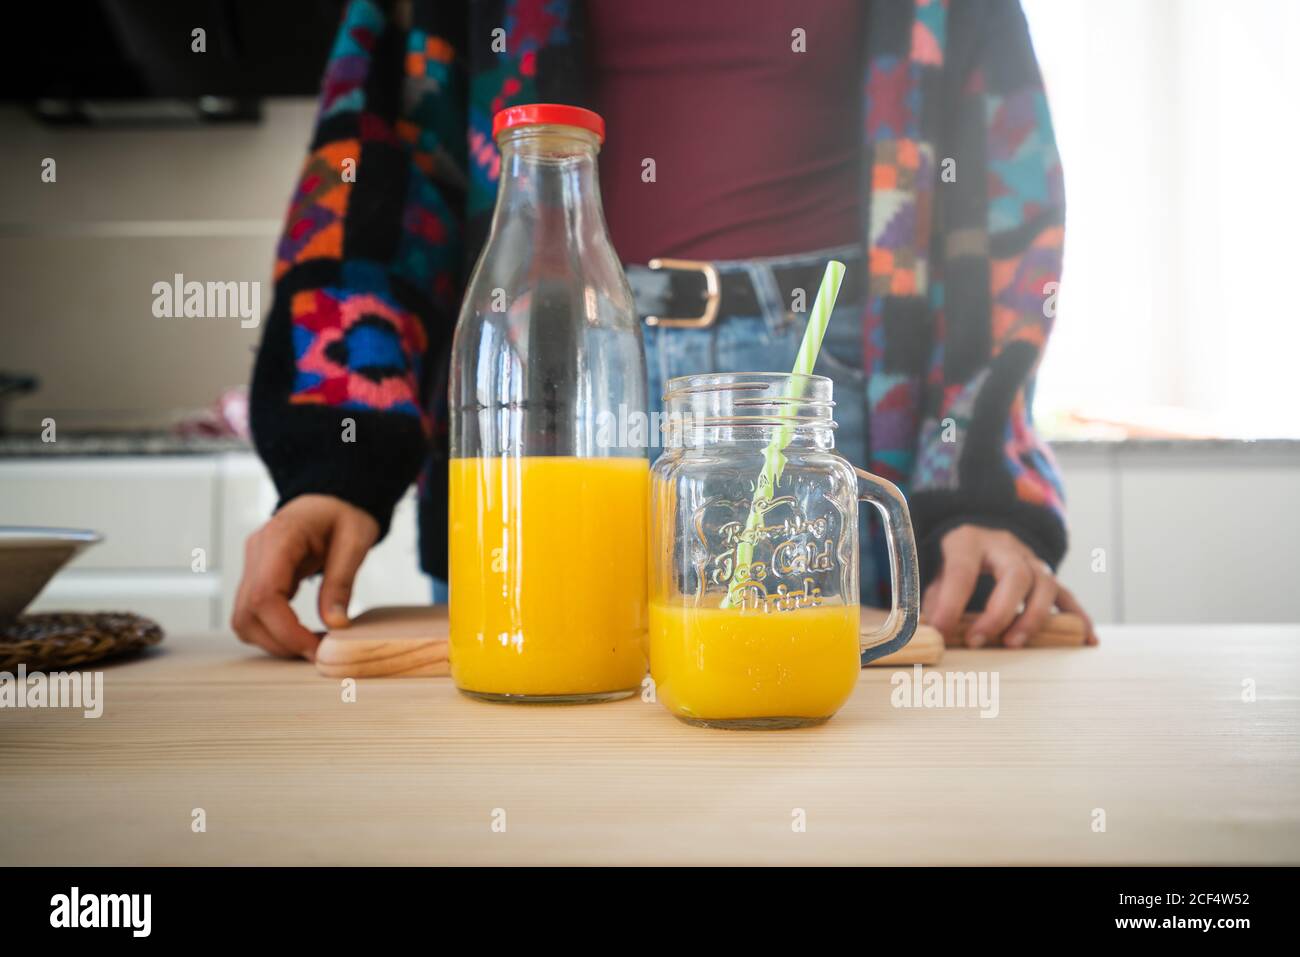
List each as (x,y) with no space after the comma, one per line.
(548,499)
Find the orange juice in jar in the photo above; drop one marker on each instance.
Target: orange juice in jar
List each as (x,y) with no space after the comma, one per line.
(743,665)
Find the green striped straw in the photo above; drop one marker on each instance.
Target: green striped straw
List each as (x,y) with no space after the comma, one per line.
(773,457)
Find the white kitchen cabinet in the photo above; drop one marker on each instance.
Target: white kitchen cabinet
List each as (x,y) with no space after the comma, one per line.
(1093,563)
(179,601)
(153,511)
(160,556)
(1211,538)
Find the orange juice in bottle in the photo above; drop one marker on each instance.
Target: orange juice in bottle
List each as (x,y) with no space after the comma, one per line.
(548,594)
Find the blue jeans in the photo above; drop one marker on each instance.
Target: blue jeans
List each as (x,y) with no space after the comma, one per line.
(768,343)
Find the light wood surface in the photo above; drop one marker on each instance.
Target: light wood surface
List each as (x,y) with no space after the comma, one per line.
(410,641)
(1150,727)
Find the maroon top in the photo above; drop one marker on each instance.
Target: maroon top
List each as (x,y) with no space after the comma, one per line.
(757,148)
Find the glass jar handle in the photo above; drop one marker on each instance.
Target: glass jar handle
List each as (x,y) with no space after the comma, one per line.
(904,573)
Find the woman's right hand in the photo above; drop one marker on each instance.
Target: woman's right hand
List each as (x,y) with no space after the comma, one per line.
(310,534)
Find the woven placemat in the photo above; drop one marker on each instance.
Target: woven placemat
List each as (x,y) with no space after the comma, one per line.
(65,639)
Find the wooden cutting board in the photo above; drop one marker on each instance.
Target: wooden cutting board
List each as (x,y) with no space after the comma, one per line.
(1061,630)
(411,642)
(404,641)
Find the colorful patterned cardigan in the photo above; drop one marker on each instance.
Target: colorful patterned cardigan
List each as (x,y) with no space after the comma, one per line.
(397,190)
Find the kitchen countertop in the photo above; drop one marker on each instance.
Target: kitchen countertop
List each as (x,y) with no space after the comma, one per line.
(1150,728)
(120,443)
(165,443)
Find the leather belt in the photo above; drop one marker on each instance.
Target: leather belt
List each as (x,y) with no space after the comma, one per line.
(698,293)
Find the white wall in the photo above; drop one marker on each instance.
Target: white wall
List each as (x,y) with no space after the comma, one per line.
(79,257)
(1177,122)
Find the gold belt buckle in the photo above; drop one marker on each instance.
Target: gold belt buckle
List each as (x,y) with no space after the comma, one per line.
(712,295)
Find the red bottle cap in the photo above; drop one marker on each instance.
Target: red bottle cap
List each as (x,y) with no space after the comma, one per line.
(532,114)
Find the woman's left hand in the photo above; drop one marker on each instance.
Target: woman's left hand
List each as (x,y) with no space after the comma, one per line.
(1024,593)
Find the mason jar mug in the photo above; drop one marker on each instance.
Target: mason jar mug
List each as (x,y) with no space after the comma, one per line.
(754,610)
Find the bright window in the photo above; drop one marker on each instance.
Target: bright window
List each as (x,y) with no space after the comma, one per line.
(1177,123)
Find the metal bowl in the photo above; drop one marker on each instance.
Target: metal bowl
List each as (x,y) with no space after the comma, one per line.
(29,557)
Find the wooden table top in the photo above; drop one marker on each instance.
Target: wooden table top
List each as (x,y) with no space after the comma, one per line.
(1150,728)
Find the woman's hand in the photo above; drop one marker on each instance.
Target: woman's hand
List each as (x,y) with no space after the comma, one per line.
(1024,593)
(312,533)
